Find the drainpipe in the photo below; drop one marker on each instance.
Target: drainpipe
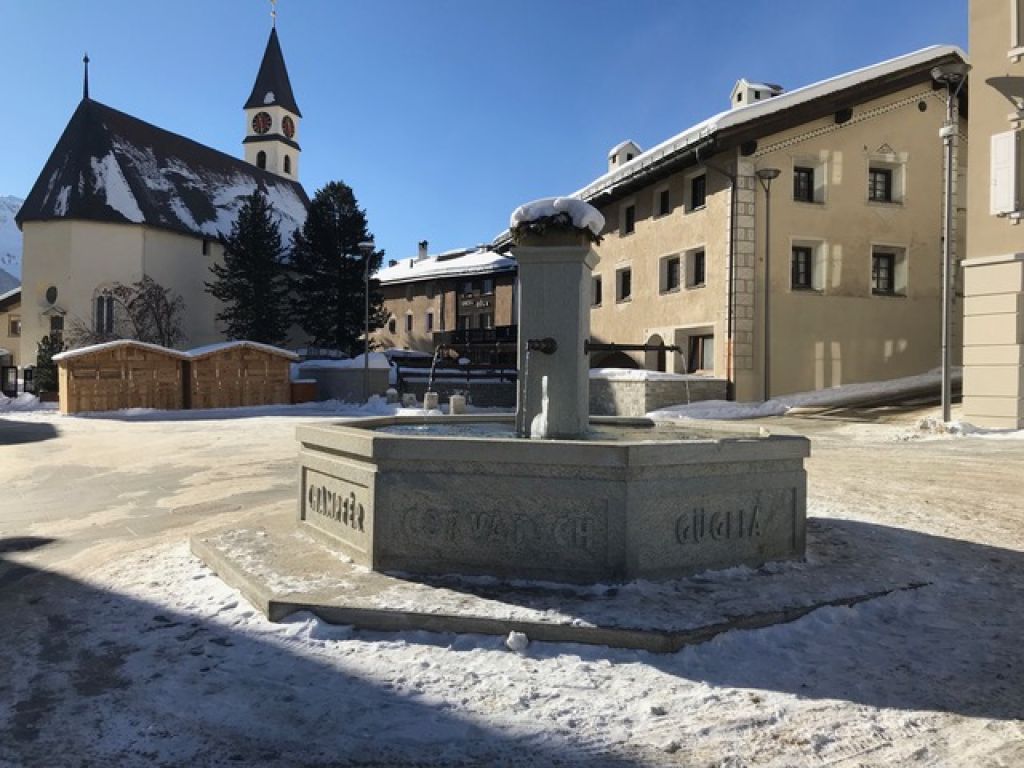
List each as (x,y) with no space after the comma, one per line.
(699,151)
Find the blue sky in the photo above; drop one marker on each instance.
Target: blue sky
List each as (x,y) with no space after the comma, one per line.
(443,115)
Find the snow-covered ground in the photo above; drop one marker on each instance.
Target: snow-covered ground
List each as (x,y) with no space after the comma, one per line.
(119,648)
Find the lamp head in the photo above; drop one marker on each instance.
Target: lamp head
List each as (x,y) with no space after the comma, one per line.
(767,174)
(950,74)
(366,247)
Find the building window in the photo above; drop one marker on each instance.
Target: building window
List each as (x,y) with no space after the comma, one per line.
(700,353)
(104,319)
(1016,26)
(287,164)
(698,191)
(408,323)
(664,206)
(803,184)
(889,271)
(880,185)
(56,327)
(463,322)
(486,319)
(803,267)
(595,297)
(430,321)
(623,284)
(670,274)
(1004,173)
(392,326)
(206,247)
(696,268)
(14,325)
(488,285)
(467,288)
(261,159)
(629,220)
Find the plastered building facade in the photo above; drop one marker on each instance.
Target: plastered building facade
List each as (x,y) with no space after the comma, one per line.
(853,292)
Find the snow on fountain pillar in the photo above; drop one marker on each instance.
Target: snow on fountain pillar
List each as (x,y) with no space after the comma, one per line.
(554,249)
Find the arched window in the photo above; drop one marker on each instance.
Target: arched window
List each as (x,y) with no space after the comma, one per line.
(287,164)
(104,318)
(261,159)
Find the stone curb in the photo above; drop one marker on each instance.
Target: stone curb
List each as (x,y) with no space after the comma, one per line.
(276,609)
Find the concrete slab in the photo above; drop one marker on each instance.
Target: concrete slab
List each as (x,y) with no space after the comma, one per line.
(282,568)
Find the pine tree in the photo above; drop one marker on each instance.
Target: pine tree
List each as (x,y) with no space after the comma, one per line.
(328,302)
(46,369)
(252,282)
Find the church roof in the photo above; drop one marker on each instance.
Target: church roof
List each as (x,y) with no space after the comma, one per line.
(112,167)
(273,88)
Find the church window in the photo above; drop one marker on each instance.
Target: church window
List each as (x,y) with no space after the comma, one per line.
(261,159)
(104,315)
(287,164)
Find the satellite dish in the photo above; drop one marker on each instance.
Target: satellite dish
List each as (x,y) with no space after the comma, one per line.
(51,295)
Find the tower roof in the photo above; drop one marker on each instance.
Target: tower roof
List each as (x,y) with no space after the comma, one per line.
(109,166)
(273,88)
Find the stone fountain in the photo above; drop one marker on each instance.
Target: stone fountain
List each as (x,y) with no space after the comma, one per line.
(584,500)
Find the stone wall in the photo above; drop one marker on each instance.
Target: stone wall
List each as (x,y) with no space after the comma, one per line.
(614,397)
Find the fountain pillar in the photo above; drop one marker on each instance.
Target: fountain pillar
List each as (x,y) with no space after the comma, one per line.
(554,302)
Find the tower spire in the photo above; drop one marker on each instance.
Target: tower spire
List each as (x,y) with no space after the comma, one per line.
(273,14)
(85,81)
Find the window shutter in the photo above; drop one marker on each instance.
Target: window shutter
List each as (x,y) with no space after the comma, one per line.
(1003,194)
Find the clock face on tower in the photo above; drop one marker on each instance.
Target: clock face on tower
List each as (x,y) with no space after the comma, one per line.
(261,122)
(288,126)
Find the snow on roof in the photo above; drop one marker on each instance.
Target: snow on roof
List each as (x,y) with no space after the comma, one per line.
(740,115)
(82,351)
(210,349)
(583,215)
(476,262)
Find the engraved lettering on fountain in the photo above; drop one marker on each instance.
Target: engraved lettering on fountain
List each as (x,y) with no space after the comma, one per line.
(337,507)
(698,525)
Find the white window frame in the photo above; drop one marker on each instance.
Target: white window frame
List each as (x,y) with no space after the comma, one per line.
(688,205)
(1004,173)
(1016,51)
(619,297)
(819,263)
(820,169)
(683,336)
(900,269)
(897,165)
(689,268)
(663,262)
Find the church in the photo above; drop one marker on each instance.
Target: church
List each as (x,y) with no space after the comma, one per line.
(120,199)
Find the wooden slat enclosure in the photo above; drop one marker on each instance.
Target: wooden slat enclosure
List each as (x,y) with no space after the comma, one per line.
(239,375)
(123,376)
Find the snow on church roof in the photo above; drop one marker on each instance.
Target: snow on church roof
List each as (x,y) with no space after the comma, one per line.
(110,166)
(451,264)
(740,115)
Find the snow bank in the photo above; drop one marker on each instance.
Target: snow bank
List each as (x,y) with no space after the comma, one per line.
(377,360)
(720,410)
(583,215)
(634,374)
(23,402)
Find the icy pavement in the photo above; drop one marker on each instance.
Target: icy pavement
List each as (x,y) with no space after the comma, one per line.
(131,653)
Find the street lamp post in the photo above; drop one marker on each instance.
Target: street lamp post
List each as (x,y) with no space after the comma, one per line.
(366,249)
(765,176)
(953,76)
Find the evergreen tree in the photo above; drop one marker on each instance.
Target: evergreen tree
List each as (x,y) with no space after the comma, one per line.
(46,369)
(328,302)
(252,282)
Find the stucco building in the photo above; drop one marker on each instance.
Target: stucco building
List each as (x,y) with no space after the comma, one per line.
(853,289)
(467,293)
(120,199)
(994,267)
(10,327)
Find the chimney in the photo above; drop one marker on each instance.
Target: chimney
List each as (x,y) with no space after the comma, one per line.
(423,251)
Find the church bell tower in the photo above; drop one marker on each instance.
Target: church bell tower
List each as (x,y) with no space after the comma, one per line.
(272,117)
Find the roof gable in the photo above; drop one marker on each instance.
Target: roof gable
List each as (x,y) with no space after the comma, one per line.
(112,167)
(272,87)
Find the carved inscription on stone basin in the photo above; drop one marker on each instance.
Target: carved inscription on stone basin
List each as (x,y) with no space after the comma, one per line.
(336,506)
(574,531)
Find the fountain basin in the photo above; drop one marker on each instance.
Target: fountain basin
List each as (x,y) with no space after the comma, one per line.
(576,511)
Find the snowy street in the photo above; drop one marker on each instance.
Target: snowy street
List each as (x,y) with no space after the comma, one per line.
(117,647)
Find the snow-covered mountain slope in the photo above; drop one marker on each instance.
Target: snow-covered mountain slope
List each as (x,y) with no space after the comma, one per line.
(10,236)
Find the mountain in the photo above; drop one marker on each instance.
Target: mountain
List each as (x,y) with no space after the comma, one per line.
(10,236)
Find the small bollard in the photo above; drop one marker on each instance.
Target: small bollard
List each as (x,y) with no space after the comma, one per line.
(408,400)
(391,395)
(456,404)
(430,401)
